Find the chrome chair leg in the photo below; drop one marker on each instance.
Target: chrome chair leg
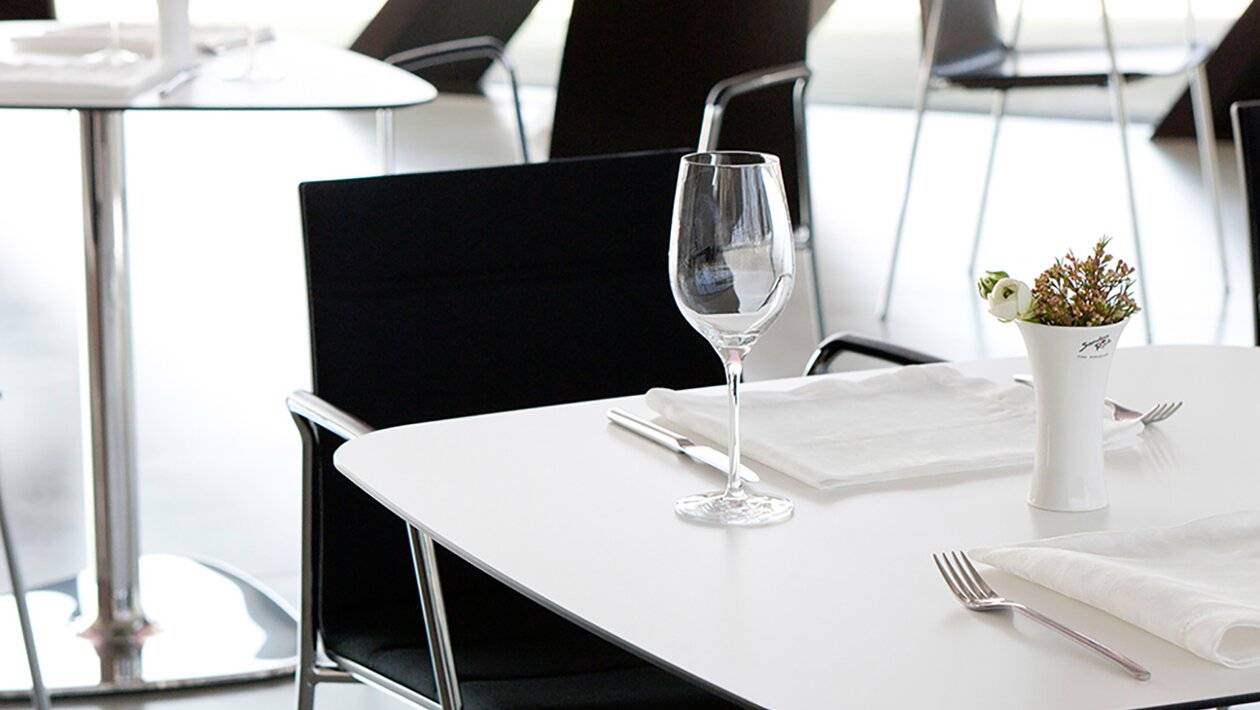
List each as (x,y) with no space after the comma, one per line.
(999,109)
(1205,130)
(437,631)
(886,295)
(932,33)
(1116,85)
(39,693)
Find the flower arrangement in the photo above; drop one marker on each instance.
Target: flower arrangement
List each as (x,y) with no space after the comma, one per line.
(1074,292)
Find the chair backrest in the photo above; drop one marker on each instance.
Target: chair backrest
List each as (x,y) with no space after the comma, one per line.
(635,75)
(401,25)
(27,10)
(458,293)
(970,31)
(1246,119)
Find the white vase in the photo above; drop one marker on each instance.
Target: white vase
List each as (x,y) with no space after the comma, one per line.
(174,34)
(1070,368)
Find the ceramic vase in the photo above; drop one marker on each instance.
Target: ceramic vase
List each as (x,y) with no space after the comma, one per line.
(1070,368)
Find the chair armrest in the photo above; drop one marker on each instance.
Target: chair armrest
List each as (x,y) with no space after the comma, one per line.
(462,50)
(317,411)
(723,91)
(862,345)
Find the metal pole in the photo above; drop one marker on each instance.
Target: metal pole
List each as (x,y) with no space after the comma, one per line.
(109,379)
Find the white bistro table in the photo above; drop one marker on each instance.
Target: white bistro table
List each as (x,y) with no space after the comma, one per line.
(840,607)
(200,624)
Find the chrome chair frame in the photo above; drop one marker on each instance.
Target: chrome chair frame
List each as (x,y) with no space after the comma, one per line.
(310,413)
(39,692)
(715,105)
(1246,141)
(461,50)
(1205,131)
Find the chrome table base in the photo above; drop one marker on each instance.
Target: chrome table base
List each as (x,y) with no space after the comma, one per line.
(207,625)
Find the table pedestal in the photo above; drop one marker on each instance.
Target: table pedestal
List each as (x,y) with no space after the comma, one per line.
(200,624)
(205,625)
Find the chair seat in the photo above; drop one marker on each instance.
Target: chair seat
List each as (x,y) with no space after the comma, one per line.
(1068,67)
(520,656)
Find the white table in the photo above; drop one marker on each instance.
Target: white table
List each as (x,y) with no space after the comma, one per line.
(841,606)
(200,623)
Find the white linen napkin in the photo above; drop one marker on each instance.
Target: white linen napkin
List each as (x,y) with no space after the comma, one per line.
(915,421)
(139,38)
(1196,585)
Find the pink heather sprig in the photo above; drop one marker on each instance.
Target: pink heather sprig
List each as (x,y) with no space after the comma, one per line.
(1084,292)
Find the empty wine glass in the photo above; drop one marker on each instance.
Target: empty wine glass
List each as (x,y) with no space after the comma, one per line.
(731,270)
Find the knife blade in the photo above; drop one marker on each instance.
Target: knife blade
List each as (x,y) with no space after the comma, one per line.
(678,443)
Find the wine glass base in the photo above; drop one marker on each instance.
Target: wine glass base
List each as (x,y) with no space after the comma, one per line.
(743,511)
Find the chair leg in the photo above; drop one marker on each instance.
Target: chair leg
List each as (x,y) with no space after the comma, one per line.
(805,204)
(1116,86)
(920,107)
(999,109)
(39,693)
(1205,129)
(385,139)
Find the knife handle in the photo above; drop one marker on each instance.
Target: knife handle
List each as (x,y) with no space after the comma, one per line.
(647,430)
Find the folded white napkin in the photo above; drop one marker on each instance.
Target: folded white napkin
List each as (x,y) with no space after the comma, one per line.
(914,421)
(1196,585)
(47,78)
(139,38)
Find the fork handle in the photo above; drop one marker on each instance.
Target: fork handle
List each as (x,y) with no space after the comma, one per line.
(1129,664)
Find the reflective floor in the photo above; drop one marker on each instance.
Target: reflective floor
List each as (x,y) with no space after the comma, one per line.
(219,311)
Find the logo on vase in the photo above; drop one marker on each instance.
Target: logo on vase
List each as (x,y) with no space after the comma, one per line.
(1094,349)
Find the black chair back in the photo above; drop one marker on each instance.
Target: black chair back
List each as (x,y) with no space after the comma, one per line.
(1246,118)
(451,294)
(635,75)
(970,32)
(27,10)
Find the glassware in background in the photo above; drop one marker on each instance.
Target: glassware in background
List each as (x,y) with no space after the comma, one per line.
(255,70)
(113,53)
(731,265)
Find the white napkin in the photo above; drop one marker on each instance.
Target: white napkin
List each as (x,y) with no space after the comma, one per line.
(1196,585)
(49,78)
(139,38)
(915,421)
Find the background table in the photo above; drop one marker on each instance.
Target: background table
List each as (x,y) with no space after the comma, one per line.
(200,623)
(841,606)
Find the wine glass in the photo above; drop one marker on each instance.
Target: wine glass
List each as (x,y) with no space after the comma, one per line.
(731,270)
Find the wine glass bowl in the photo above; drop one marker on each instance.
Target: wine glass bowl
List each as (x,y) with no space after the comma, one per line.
(731,264)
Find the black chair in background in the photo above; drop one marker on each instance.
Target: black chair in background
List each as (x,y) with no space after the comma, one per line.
(27,10)
(1246,118)
(963,47)
(641,74)
(452,294)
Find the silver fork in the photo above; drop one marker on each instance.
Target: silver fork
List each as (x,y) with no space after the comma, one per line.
(1158,413)
(975,594)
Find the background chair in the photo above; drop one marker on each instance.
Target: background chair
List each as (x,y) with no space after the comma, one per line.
(963,47)
(638,74)
(1246,118)
(452,294)
(39,693)
(26,10)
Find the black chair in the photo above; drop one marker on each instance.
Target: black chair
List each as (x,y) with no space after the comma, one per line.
(640,74)
(963,47)
(27,10)
(451,294)
(1246,118)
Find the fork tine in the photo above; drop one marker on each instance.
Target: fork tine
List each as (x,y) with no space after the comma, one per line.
(1169,410)
(973,591)
(975,576)
(949,579)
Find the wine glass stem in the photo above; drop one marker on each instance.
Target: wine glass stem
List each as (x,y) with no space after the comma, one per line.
(734,361)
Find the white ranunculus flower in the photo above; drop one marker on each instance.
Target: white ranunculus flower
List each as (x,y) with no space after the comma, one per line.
(1010,299)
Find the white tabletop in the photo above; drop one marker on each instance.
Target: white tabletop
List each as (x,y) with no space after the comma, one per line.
(311,76)
(841,606)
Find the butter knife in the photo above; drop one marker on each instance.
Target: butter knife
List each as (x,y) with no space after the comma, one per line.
(678,443)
